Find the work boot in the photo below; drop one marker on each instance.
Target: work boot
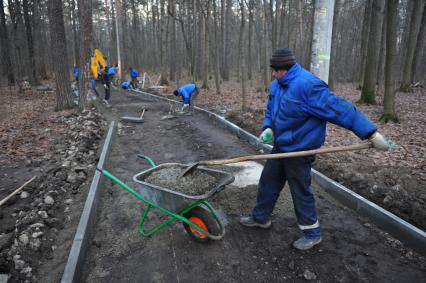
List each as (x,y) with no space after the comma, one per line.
(306,243)
(250,222)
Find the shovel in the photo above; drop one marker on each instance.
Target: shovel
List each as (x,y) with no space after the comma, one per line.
(354,147)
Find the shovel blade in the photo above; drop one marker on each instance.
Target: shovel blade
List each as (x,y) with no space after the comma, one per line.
(188,170)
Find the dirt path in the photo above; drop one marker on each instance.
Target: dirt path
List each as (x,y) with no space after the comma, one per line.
(353,249)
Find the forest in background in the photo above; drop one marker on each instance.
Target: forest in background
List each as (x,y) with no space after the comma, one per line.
(209,40)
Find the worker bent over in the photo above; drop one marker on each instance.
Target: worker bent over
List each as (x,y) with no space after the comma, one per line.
(298,108)
(189,93)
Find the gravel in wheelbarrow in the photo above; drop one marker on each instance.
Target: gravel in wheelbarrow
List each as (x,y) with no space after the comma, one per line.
(161,185)
(193,184)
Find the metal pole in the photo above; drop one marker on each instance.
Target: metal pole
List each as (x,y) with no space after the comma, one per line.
(117,33)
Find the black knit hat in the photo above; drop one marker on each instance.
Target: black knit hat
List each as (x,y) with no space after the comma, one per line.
(282,59)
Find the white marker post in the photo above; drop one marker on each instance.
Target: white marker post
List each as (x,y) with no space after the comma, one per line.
(321,40)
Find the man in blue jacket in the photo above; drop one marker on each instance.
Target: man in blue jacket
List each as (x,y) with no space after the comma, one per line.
(134,77)
(75,73)
(189,93)
(298,108)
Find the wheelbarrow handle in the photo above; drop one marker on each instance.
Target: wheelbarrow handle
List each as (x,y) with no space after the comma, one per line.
(147,158)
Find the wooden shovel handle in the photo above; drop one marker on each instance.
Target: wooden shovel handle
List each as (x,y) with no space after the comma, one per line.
(288,154)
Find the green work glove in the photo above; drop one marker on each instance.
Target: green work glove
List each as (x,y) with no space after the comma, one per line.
(267,136)
(380,142)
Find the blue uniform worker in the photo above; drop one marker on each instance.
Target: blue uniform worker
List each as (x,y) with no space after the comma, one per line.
(134,77)
(75,73)
(189,93)
(112,71)
(125,85)
(298,109)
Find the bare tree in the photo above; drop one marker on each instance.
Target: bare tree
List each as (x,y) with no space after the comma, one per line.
(59,54)
(30,42)
(216,48)
(250,8)
(241,56)
(416,18)
(418,67)
(85,50)
(364,39)
(173,45)
(334,44)
(391,52)
(4,42)
(368,93)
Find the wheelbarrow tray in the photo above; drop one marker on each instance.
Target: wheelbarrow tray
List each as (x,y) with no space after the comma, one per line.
(173,200)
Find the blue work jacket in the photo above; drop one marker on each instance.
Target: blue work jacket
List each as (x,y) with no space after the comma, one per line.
(186,92)
(112,71)
(299,107)
(134,73)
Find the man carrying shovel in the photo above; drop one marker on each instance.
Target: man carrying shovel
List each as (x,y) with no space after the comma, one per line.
(298,108)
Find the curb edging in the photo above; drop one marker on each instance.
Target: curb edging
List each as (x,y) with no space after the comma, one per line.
(79,247)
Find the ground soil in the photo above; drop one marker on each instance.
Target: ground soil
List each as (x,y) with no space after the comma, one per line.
(395,180)
(38,225)
(352,249)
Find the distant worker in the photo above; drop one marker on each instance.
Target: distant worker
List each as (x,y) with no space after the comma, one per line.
(113,70)
(125,85)
(189,93)
(75,73)
(134,77)
(106,81)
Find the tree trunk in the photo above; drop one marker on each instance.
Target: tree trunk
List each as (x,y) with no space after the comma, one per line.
(107,31)
(368,93)
(225,73)
(364,39)
(334,44)
(250,39)
(418,67)
(30,42)
(216,49)
(382,55)
(86,50)
(119,38)
(241,61)
(173,46)
(206,46)
(40,44)
(60,55)
(416,18)
(4,42)
(75,32)
(163,44)
(389,98)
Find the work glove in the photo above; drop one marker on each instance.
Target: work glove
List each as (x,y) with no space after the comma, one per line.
(380,142)
(184,107)
(267,136)
(105,86)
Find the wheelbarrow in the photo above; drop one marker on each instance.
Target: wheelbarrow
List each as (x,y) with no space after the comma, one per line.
(196,214)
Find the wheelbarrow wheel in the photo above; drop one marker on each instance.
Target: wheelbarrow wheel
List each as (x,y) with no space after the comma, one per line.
(203,219)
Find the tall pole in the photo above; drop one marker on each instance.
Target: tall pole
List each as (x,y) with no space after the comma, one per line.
(117,33)
(321,40)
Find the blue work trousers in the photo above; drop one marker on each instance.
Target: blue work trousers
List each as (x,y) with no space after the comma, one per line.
(297,171)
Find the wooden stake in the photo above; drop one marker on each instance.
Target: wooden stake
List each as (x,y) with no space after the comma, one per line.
(16,191)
